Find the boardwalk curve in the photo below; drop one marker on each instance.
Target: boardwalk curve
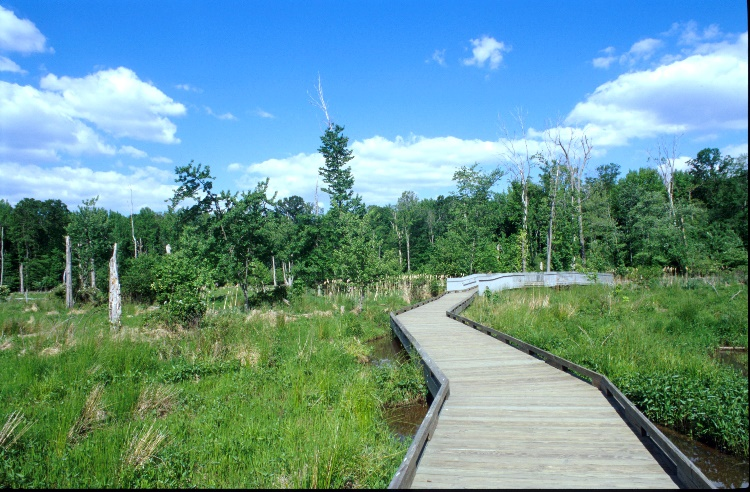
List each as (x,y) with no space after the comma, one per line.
(501,418)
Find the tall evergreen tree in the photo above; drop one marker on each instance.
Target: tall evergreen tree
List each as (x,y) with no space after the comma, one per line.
(335,173)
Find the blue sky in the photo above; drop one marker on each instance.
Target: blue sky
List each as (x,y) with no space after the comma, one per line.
(104,97)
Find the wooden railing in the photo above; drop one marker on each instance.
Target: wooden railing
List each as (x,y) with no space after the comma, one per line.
(501,281)
(656,442)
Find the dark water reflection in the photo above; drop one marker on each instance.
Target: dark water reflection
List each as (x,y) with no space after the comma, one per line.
(724,470)
(403,420)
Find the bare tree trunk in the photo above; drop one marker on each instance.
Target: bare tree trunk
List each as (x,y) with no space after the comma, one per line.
(552,218)
(115,302)
(20,273)
(68,274)
(408,254)
(273,267)
(132,226)
(520,165)
(93,275)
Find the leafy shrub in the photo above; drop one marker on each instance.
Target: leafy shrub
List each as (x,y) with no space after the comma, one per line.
(4,292)
(58,292)
(90,295)
(138,277)
(180,289)
(712,409)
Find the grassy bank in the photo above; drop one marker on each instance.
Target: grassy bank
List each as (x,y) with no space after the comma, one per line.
(657,343)
(271,398)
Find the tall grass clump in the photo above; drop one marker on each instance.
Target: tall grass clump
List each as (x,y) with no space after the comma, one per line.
(278,396)
(658,343)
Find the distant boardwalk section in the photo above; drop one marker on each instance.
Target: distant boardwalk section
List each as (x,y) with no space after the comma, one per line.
(502,281)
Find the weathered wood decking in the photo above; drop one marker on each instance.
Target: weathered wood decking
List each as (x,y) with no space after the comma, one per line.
(513,421)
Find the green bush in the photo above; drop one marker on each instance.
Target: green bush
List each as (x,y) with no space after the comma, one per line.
(90,295)
(4,292)
(137,278)
(180,290)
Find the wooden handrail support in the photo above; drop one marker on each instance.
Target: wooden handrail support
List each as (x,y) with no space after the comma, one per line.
(437,385)
(687,473)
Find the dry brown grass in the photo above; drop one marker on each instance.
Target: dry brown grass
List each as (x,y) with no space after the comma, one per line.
(143,447)
(156,399)
(248,356)
(92,415)
(8,434)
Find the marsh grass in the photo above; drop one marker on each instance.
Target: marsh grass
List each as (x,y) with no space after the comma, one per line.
(281,400)
(657,343)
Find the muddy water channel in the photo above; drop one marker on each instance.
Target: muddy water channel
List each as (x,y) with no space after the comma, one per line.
(725,471)
(404,420)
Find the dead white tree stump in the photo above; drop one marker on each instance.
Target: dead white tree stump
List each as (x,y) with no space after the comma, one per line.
(115,303)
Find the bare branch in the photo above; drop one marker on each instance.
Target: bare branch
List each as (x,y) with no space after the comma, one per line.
(320,102)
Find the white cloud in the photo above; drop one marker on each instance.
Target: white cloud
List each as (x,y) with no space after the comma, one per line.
(150,185)
(37,125)
(118,102)
(264,114)
(64,115)
(20,35)
(8,65)
(703,92)
(225,116)
(642,50)
(161,160)
(484,49)
(188,88)
(424,165)
(132,152)
(735,150)
(438,56)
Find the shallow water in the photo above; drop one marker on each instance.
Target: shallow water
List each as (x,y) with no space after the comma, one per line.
(724,470)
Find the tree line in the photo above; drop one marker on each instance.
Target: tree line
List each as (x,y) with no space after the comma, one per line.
(552,216)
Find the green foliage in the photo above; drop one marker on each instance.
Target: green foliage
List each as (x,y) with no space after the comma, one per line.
(335,172)
(89,295)
(4,292)
(656,340)
(245,402)
(137,278)
(180,286)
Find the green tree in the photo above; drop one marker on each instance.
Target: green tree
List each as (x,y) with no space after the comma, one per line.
(335,172)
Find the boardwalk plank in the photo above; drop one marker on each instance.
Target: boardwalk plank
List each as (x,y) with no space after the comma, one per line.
(513,421)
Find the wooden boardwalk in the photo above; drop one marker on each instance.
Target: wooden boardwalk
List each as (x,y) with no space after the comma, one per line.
(513,421)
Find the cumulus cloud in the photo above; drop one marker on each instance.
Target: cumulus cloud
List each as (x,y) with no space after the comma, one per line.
(63,116)
(132,152)
(484,49)
(161,160)
(19,35)
(150,185)
(424,165)
(703,92)
(606,60)
(118,102)
(8,65)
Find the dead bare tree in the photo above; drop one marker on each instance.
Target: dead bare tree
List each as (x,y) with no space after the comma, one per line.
(553,158)
(132,226)
(115,302)
(576,153)
(320,102)
(666,162)
(520,162)
(68,274)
